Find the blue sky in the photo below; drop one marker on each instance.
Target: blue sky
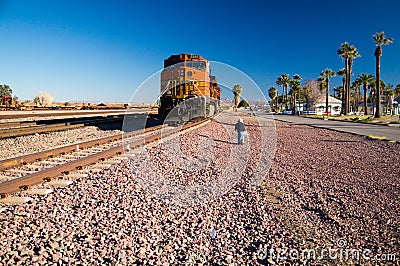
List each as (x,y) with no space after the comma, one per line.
(104,50)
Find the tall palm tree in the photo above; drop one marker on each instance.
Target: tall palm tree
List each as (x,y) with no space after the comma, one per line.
(284,81)
(322,84)
(380,40)
(342,72)
(352,55)
(338,92)
(299,94)
(382,85)
(294,92)
(343,51)
(297,77)
(372,88)
(237,90)
(273,94)
(279,83)
(326,75)
(297,88)
(366,80)
(357,94)
(349,53)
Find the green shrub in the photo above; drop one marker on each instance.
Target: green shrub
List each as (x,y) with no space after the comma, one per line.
(243,103)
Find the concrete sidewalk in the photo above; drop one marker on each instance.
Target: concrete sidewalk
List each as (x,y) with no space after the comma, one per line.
(362,129)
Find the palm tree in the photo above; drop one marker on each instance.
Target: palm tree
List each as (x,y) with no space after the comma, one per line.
(357,94)
(380,40)
(388,95)
(338,92)
(322,84)
(343,51)
(365,79)
(342,72)
(349,53)
(372,88)
(326,75)
(279,83)
(284,81)
(352,55)
(273,94)
(295,84)
(297,77)
(382,85)
(397,90)
(237,90)
(294,92)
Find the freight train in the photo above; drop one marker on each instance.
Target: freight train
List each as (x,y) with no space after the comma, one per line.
(188,90)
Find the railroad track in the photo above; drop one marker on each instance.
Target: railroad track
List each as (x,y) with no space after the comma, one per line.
(21,173)
(16,129)
(66,113)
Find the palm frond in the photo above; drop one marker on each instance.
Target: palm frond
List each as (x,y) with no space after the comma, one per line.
(297,77)
(380,39)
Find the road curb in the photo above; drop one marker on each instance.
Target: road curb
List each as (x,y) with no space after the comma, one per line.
(355,122)
(370,137)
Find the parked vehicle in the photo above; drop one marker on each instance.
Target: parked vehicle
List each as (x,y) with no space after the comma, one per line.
(287,112)
(308,112)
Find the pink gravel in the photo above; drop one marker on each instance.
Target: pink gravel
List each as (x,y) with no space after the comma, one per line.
(322,187)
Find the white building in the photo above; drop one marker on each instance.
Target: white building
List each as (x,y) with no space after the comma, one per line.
(334,105)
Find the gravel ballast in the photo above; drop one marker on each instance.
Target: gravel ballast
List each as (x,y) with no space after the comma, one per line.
(323,189)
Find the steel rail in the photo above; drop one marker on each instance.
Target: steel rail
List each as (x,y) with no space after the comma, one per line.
(7,125)
(66,113)
(24,131)
(17,132)
(60,120)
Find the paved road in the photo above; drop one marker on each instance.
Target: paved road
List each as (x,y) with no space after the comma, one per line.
(389,132)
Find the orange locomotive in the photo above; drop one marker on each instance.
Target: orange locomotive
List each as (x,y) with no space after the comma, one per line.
(188,90)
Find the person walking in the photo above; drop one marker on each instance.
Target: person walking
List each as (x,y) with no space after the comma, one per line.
(241,129)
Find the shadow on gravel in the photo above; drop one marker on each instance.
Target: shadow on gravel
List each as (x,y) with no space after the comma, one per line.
(333,140)
(228,124)
(110,126)
(330,125)
(216,140)
(247,125)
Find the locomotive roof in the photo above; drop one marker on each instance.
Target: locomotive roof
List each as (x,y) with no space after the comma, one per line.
(178,58)
(184,57)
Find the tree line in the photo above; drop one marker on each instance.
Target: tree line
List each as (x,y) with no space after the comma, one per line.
(348,92)
(6,97)
(42,99)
